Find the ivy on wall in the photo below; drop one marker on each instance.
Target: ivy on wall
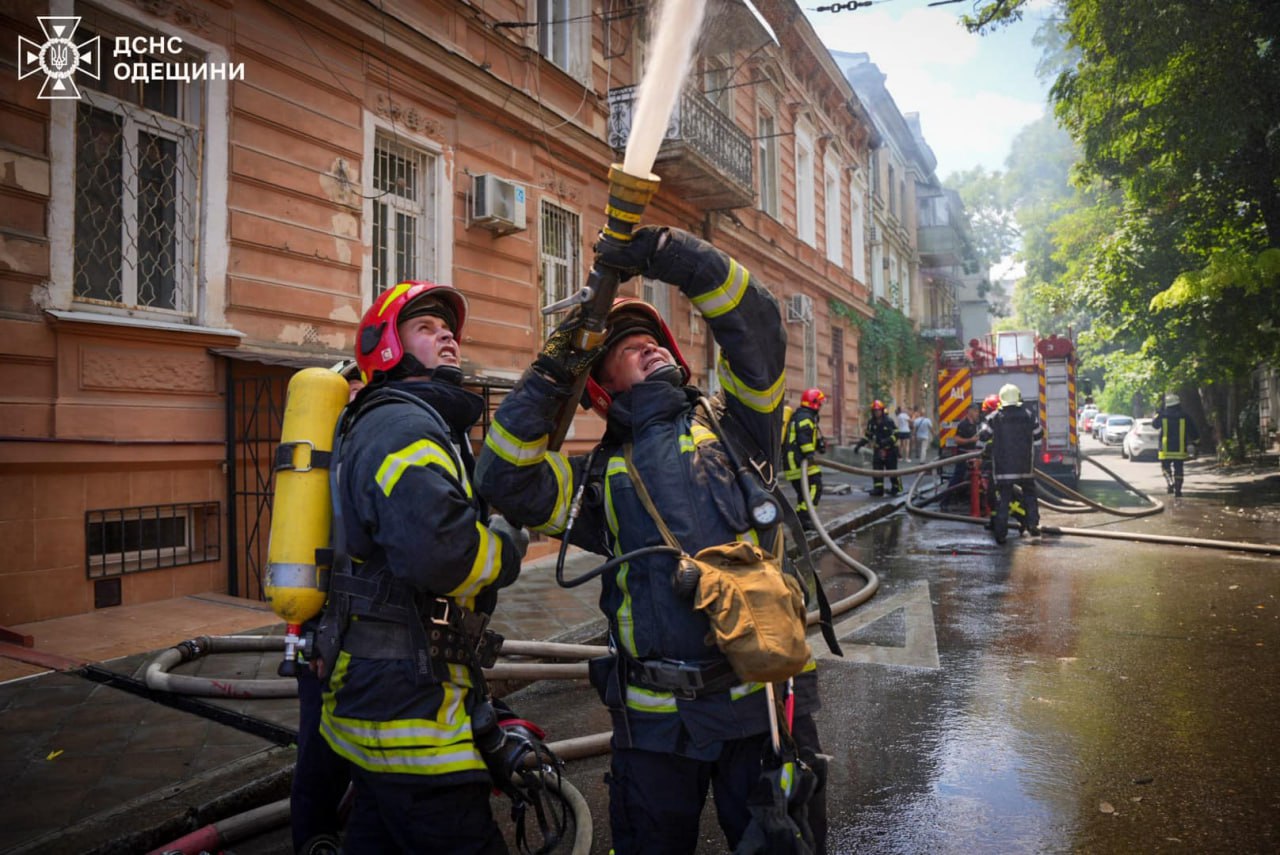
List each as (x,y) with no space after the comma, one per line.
(889,348)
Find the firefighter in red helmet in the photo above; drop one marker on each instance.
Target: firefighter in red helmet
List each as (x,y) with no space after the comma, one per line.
(425,560)
(801,439)
(882,435)
(683,721)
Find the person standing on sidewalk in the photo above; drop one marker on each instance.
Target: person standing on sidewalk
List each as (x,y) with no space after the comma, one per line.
(802,438)
(404,629)
(902,422)
(683,722)
(1012,433)
(922,428)
(1177,433)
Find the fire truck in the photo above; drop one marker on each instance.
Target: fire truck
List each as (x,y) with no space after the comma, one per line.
(1043,368)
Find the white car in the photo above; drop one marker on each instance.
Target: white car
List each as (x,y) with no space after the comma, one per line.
(1115,429)
(1142,440)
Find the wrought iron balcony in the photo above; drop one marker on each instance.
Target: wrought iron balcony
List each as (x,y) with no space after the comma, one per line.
(704,155)
(940,246)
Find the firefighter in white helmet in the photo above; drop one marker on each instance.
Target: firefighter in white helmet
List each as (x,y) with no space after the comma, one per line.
(1012,432)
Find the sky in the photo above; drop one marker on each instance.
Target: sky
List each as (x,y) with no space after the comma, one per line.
(973,93)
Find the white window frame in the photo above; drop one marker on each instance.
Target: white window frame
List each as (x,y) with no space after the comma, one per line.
(806,227)
(810,353)
(657,294)
(569,261)
(432,250)
(833,220)
(717,76)
(895,282)
(206,256)
(767,147)
(858,232)
(563,35)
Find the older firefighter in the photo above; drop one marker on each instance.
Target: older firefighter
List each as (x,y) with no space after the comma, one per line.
(882,434)
(802,438)
(1012,432)
(682,720)
(1177,433)
(404,626)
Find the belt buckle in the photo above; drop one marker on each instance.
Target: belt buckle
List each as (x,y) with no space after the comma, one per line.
(441,612)
(690,679)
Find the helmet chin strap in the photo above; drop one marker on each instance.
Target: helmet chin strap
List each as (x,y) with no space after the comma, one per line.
(672,374)
(410,366)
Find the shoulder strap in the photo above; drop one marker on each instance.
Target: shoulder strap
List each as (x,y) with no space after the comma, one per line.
(647,501)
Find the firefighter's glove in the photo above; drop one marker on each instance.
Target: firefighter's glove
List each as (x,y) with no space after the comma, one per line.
(821,445)
(560,359)
(632,257)
(858,446)
(514,539)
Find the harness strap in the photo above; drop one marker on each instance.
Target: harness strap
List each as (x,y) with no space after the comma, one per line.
(685,679)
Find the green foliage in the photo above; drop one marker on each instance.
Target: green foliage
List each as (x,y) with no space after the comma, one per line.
(889,347)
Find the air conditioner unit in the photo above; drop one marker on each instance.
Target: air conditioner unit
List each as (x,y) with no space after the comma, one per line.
(800,309)
(497,204)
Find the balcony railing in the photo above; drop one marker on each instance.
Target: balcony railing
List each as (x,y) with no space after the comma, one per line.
(939,246)
(704,155)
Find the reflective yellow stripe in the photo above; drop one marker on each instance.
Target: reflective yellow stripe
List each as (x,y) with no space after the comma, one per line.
(760,400)
(440,760)
(513,450)
(686,443)
(559,518)
(424,452)
(701,434)
(645,700)
(485,567)
(616,466)
(716,302)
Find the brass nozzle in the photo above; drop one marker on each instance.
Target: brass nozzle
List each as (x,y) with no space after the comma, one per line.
(629,195)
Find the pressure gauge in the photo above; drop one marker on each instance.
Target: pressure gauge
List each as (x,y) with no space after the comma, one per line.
(765,512)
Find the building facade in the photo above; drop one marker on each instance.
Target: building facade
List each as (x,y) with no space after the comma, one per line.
(218,205)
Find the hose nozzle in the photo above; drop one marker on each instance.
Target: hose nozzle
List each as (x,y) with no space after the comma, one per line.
(629,195)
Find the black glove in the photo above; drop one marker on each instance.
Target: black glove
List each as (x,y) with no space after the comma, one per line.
(514,536)
(633,257)
(858,445)
(559,359)
(821,445)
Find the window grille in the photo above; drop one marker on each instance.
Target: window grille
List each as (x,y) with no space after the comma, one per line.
(137,192)
(560,255)
(404,191)
(149,537)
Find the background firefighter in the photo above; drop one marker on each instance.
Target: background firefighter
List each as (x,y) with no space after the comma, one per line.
(426,564)
(1177,433)
(1012,432)
(682,721)
(882,434)
(802,438)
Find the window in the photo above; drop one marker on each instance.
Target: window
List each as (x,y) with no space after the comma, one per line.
(875,173)
(127,540)
(831,200)
(895,286)
(564,33)
(805,228)
(404,203)
(902,200)
(658,295)
(857,234)
(877,269)
(810,353)
(893,198)
(716,75)
(137,187)
(767,146)
(561,239)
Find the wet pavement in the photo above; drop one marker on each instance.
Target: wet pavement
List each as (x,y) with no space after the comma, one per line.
(1075,695)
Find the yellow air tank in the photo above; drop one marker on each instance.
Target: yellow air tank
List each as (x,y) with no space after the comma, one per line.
(297,567)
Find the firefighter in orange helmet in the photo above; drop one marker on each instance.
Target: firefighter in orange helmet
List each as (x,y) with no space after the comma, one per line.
(801,439)
(882,435)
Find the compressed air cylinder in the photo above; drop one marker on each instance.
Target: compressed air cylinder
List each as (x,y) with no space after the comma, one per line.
(301,514)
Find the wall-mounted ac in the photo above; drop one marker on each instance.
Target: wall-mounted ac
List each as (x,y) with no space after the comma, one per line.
(800,309)
(497,204)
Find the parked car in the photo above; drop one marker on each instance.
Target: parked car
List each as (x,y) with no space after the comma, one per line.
(1117,427)
(1085,423)
(1098,421)
(1142,440)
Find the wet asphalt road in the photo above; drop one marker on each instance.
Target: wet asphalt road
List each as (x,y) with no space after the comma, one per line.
(1075,695)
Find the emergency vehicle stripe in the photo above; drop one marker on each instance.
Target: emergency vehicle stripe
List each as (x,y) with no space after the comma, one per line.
(485,567)
(717,301)
(1043,412)
(760,400)
(559,518)
(512,449)
(424,452)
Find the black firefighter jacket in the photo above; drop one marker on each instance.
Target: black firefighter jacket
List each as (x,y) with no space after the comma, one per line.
(686,471)
(1012,433)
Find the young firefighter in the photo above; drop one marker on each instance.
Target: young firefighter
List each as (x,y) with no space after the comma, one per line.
(803,438)
(883,436)
(1012,432)
(682,721)
(427,562)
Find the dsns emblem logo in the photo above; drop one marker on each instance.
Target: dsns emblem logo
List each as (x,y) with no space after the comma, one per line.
(59,57)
